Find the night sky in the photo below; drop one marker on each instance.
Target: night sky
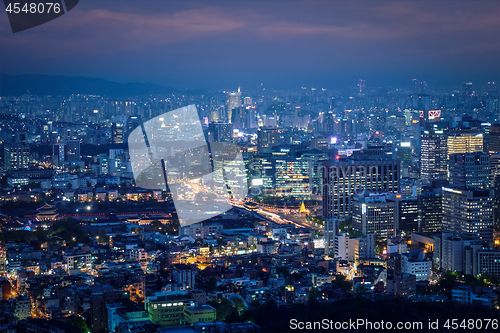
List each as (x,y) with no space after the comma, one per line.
(283,44)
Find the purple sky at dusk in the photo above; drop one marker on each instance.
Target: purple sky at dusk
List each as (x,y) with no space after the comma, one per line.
(284,44)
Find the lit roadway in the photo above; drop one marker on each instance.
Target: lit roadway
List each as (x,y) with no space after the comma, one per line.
(281,218)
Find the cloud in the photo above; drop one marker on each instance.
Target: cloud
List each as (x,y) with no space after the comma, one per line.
(382,20)
(103,31)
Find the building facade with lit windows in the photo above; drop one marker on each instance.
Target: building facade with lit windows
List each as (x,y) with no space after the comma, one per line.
(464,140)
(291,177)
(167,308)
(430,209)
(342,179)
(16,157)
(374,213)
(433,154)
(468,213)
(471,170)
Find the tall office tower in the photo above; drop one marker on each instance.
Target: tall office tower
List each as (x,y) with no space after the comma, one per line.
(375,214)
(233,101)
(226,159)
(132,123)
(494,169)
(331,231)
(315,172)
(72,150)
(215,115)
(430,209)
(495,186)
(220,132)
(344,178)
(269,137)
(58,154)
(407,213)
(464,140)
(240,118)
(362,84)
(448,252)
(404,153)
(468,213)
(433,154)
(291,177)
(16,157)
(471,170)
(117,133)
(247,101)
(496,203)
(252,117)
(494,139)
(366,246)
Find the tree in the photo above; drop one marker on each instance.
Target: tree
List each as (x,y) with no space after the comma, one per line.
(446,283)
(173,227)
(156,225)
(211,283)
(238,303)
(341,283)
(361,289)
(283,270)
(313,294)
(81,324)
(223,308)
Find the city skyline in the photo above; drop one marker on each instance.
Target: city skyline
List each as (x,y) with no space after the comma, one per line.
(250,166)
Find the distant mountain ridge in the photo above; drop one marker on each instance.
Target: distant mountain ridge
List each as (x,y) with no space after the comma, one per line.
(41,85)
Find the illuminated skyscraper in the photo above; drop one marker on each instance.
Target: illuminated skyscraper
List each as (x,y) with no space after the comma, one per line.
(468,213)
(471,170)
(291,177)
(433,154)
(72,150)
(430,207)
(373,213)
(269,137)
(464,140)
(117,133)
(494,139)
(343,179)
(221,132)
(233,101)
(16,157)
